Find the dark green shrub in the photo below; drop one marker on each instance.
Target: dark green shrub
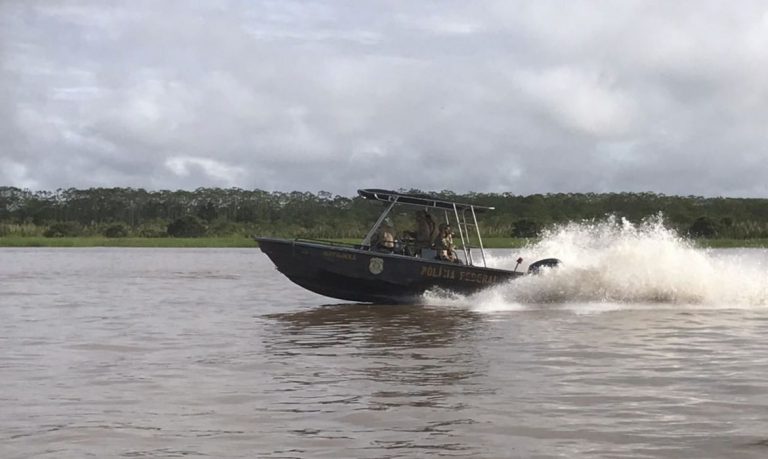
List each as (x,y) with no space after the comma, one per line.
(63,229)
(116,230)
(704,227)
(526,228)
(186,226)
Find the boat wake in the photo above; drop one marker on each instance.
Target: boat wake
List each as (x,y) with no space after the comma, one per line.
(614,262)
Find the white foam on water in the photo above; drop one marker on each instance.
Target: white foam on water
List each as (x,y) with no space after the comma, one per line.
(614,263)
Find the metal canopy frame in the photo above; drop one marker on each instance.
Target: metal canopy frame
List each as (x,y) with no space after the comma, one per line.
(420,200)
(459,213)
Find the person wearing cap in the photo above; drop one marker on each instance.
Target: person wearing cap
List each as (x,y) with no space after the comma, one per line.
(444,244)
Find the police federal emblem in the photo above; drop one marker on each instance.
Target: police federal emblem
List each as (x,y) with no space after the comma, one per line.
(376,265)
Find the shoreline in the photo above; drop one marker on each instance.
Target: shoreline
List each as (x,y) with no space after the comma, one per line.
(247,242)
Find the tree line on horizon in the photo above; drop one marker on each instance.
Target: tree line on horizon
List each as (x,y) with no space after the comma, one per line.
(121,212)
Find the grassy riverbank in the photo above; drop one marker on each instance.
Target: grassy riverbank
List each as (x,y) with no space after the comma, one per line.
(734,243)
(241,241)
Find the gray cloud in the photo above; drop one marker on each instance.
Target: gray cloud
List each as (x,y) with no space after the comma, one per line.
(524,97)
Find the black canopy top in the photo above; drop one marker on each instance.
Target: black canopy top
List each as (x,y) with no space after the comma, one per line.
(417,199)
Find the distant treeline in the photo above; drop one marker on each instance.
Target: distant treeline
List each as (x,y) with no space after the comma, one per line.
(119,212)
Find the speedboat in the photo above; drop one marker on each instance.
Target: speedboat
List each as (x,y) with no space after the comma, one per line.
(398,270)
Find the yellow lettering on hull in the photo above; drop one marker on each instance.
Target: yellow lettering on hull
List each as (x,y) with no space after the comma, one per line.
(438,272)
(441,272)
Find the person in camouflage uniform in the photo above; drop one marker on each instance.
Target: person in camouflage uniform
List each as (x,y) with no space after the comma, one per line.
(444,244)
(425,229)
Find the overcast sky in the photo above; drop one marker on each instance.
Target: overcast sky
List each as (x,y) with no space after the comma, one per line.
(491,96)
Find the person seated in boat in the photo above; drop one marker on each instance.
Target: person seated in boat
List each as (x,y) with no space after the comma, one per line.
(384,238)
(444,244)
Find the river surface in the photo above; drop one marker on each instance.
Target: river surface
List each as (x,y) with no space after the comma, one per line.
(136,353)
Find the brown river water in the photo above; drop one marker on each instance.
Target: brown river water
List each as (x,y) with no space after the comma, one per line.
(149,353)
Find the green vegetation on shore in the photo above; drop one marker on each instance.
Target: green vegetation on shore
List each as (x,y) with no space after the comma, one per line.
(244,242)
(733,243)
(214,217)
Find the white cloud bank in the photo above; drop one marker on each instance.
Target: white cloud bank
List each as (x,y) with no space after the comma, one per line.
(527,97)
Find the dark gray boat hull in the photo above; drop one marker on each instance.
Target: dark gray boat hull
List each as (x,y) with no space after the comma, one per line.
(354,274)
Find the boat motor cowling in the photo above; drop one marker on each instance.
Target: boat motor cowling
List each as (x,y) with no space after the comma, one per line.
(535,267)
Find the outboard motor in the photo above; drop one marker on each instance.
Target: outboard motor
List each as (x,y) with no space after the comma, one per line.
(535,267)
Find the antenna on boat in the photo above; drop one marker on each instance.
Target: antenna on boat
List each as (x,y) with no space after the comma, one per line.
(519,260)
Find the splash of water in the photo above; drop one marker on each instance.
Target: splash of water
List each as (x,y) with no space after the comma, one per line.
(616,262)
